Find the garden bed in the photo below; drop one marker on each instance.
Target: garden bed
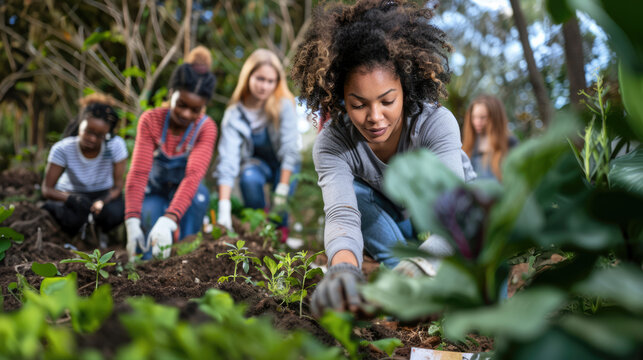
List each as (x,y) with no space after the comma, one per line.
(178,279)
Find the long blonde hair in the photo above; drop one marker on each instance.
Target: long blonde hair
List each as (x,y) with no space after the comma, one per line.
(496,132)
(257,59)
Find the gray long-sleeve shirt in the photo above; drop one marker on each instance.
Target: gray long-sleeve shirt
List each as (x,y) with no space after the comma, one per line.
(341,155)
(235,142)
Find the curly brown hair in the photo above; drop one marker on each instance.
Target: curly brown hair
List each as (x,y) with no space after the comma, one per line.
(371,33)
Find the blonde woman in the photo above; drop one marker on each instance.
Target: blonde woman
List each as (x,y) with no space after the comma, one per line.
(485,136)
(259,138)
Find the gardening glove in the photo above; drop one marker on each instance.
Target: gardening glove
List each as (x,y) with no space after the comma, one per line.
(281,194)
(79,203)
(339,289)
(435,245)
(134,237)
(160,237)
(224,217)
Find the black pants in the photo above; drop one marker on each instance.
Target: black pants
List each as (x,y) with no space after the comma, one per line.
(71,220)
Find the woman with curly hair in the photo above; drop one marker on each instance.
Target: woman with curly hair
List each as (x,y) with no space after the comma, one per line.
(485,136)
(259,139)
(85,170)
(377,69)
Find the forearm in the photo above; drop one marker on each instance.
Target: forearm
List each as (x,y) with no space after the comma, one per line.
(284,178)
(224,192)
(344,256)
(53,194)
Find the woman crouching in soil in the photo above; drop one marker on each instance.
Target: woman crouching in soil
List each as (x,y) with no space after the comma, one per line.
(378,69)
(172,152)
(85,170)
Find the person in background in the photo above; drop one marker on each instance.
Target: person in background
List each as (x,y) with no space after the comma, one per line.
(485,136)
(172,152)
(85,170)
(259,139)
(377,69)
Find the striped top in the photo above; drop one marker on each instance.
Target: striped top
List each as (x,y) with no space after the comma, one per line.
(148,137)
(82,174)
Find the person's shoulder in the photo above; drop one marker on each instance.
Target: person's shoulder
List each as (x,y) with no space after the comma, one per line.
(435,115)
(117,142)
(286,104)
(154,114)
(65,144)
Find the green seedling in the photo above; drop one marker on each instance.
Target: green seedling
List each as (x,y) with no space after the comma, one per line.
(186,247)
(7,235)
(18,288)
(239,254)
(306,272)
(276,282)
(93,261)
(340,325)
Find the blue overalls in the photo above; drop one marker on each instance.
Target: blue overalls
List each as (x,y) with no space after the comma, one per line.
(264,167)
(166,175)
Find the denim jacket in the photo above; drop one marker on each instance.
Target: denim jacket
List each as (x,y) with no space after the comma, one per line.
(236,147)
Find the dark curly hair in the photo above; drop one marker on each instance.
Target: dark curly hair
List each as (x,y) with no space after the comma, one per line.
(391,33)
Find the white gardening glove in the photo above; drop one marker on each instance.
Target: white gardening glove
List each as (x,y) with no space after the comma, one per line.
(135,237)
(435,245)
(160,237)
(281,194)
(224,216)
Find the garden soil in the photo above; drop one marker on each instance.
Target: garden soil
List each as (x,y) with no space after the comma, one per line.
(173,281)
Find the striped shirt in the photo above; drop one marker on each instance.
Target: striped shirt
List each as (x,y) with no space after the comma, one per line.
(148,137)
(82,174)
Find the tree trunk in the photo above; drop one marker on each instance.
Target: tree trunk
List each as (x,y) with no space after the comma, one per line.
(575,60)
(535,78)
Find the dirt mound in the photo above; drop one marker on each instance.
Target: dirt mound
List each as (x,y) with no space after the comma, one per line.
(18,182)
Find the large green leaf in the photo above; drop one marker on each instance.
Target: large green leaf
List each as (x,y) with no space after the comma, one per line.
(553,344)
(6,212)
(521,317)
(44,270)
(91,312)
(11,234)
(524,169)
(415,180)
(626,172)
(617,334)
(56,294)
(631,88)
(410,298)
(622,285)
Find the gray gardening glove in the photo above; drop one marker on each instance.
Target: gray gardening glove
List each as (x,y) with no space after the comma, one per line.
(339,289)
(435,245)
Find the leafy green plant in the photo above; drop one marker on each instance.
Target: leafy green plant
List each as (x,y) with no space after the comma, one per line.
(186,247)
(594,158)
(7,235)
(305,272)
(276,282)
(93,261)
(545,202)
(157,332)
(18,288)
(341,324)
(239,254)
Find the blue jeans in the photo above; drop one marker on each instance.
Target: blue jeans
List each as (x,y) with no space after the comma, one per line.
(252,180)
(383,226)
(154,206)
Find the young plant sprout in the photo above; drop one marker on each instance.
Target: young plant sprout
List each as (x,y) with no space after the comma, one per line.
(239,254)
(93,261)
